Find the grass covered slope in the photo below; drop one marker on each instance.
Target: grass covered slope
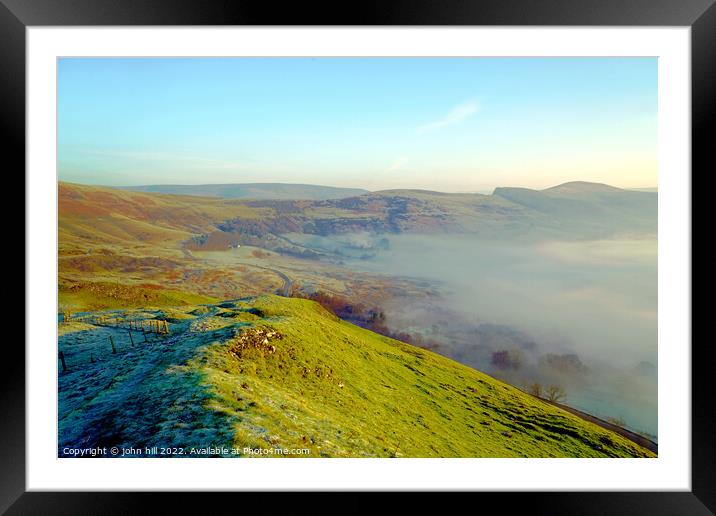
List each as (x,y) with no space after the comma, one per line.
(100,295)
(277,372)
(349,392)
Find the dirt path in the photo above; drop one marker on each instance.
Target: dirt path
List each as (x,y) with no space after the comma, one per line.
(102,403)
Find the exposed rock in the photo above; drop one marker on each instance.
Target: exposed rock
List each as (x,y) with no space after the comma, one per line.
(254,338)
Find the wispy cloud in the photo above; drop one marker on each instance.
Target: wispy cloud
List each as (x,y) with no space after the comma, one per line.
(456,116)
(166,158)
(397,164)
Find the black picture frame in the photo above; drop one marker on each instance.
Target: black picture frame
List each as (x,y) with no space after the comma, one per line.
(17,15)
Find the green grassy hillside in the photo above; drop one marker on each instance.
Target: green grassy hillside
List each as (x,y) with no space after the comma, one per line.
(273,372)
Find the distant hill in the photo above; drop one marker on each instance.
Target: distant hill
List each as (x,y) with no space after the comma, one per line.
(272,372)
(590,208)
(581,188)
(254,191)
(573,211)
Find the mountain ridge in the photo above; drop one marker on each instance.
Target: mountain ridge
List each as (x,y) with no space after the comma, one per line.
(322,192)
(591,213)
(276,191)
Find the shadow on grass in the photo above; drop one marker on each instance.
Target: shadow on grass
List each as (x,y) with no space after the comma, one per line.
(144,397)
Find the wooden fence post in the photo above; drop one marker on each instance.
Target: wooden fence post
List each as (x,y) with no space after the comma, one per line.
(62,359)
(111,341)
(130,337)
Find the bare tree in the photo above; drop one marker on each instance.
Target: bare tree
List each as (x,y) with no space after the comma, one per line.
(555,393)
(535,389)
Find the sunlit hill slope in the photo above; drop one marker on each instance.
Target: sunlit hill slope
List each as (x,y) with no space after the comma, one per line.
(272,372)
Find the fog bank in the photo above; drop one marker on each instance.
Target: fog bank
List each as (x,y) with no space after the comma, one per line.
(538,303)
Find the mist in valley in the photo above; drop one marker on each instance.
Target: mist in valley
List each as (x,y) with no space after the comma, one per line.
(578,314)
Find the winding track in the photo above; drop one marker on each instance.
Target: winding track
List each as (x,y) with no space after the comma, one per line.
(285,289)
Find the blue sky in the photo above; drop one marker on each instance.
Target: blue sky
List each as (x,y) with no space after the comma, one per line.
(451,124)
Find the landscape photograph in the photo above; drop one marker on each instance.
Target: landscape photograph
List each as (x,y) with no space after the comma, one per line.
(379,257)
